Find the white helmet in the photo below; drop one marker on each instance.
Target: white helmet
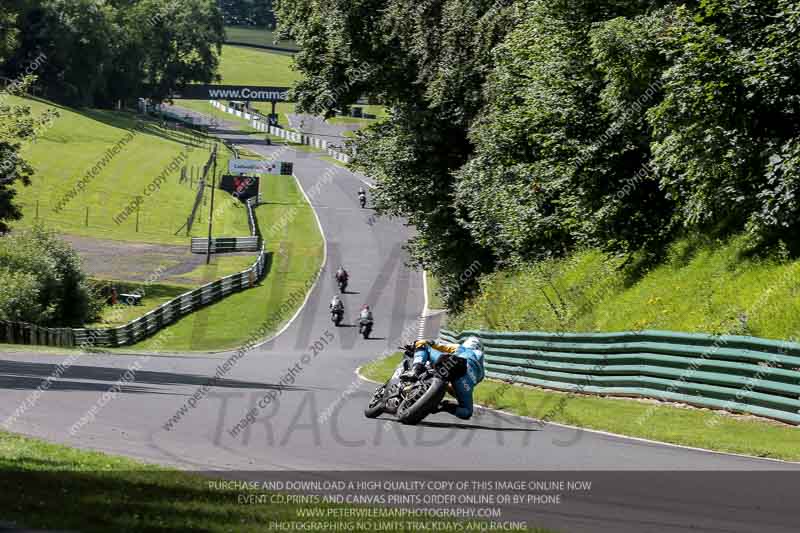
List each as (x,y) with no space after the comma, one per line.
(472,343)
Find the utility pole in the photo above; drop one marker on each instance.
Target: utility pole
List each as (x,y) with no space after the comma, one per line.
(211,210)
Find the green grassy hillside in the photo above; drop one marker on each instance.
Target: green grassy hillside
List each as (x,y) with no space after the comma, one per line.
(703,286)
(78,142)
(249,66)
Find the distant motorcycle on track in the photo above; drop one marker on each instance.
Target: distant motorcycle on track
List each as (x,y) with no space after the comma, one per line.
(365,328)
(336,316)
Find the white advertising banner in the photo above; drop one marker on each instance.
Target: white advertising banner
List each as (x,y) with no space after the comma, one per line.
(254,166)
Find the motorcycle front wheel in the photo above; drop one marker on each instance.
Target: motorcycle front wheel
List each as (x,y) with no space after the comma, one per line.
(422,401)
(376,405)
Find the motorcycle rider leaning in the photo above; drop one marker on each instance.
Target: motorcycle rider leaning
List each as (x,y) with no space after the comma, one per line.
(464,369)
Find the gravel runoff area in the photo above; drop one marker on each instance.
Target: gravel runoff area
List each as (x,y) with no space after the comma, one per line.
(130,261)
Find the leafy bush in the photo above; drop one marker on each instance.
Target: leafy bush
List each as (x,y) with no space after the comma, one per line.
(41,281)
(19,296)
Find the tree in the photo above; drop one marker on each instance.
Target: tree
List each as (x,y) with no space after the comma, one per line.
(78,39)
(727,134)
(100,52)
(8,32)
(426,62)
(17,126)
(562,147)
(249,12)
(177,42)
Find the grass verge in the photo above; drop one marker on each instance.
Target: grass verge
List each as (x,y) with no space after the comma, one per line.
(332,161)
(293,239)
(205,107)
(347,121)
(121,314)
(50,486)
(156,294)
(26,349)
(700,428)
(434,300)
(282,109)
(221,265)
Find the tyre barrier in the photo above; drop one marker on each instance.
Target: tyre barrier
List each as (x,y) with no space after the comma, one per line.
(142,327)
(727,372)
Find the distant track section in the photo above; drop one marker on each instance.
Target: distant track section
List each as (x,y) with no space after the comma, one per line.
(263,47)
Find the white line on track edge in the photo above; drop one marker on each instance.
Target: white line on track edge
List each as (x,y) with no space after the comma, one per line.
(425,309)
(609,434)
(319,276)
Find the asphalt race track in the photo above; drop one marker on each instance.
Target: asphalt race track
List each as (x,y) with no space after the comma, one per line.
(309,411)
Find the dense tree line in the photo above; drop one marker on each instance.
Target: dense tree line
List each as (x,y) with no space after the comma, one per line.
(8,32)
(522,129)
(248,13)
(101,52)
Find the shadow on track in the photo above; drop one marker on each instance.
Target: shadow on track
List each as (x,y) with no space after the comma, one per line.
(458,425)
(451,425)
(28,376)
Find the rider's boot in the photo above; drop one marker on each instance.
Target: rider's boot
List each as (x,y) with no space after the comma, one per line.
(447,407)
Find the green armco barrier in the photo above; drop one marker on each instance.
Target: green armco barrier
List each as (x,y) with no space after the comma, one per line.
(728,372)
